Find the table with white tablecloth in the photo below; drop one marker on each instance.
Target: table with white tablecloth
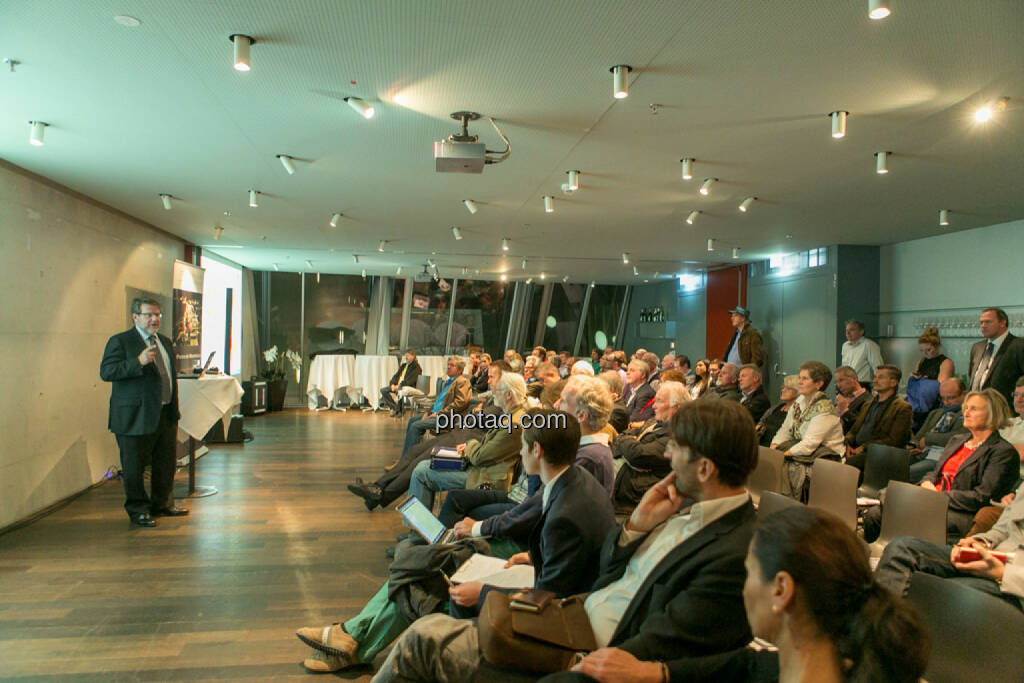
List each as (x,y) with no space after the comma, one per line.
(328,373)
(202,402)
(363,376)
(371,373)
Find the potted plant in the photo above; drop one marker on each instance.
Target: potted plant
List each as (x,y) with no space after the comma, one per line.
(275,374)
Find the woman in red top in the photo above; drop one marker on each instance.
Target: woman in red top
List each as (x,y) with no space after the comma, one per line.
(973,469)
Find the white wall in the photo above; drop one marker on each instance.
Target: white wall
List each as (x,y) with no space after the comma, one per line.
(948,279)
(67,265)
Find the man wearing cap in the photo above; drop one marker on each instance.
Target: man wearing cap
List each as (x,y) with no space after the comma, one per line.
(745,345)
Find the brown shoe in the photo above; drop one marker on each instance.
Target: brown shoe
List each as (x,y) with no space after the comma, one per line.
(330,639)
(323,663)
(388,468)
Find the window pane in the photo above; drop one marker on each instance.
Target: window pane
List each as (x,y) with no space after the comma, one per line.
(283,312)
(428,319)
(395,337)
(564,315)
(336,313)
(482,310)
(602,318)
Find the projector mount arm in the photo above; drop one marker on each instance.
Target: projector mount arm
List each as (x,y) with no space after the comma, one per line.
(465,117)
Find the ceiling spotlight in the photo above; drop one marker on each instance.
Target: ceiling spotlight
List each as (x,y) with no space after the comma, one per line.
(711,244)
(355,257)
(591,283)
(542,275)
(635,271)
(360,106)
(364,273)
(286,161)
(242,43)
(524,264)
(382,245)
(254,200)
(656,274)
(529,280)
(839,123)
(309,264)
(217,232)
(735,252)
(503,277)
(470,205)
(705,189)
(625,257)
(166,199)
(334,220)
(692,217)
(878,9)
(985,113)
(881,162)
(745,204)
(456,233)
(574,180)
(504,244)
(430,262)
(549,204)
(465,270)
(687,168)
(398,271)
(943,216)
(276,267)
(620,81)
(565,278)
(36,131)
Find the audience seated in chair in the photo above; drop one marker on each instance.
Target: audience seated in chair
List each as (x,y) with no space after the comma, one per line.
(453,398)
(939,426)
(770,423)
(401,382)
(752,393)
(974,468)
(1013,432)
(638,394)
(564,548)
(727,376)
(884,418)
(811,429)
(701,378)
(850,396)
(671,578)
(619,419)
(478,379)
(642,449)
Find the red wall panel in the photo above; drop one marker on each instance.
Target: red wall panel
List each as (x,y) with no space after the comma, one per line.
(725,289)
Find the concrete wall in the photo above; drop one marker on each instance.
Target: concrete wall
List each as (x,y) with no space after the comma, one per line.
(945,281)
(67,267)
(685,309)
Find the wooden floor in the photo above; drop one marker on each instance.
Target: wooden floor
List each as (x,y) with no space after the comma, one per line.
(217,594)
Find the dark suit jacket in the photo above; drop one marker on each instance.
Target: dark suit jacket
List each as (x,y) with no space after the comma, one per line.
(940,439)
(892,428)
(758,403)
(988,474)
(853,410)
(479,382)
(619,417)
(637,401)
(412,374)
(691,604)
(1007,366)
(135,397)
(728,393)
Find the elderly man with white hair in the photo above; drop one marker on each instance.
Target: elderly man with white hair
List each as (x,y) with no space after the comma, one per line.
(643,449)
(582,367)
(639,395)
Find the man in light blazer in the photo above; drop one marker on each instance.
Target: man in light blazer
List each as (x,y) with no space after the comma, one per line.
(144,412)
(998,360)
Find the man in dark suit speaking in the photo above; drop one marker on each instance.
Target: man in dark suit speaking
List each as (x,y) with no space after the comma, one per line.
(144,412)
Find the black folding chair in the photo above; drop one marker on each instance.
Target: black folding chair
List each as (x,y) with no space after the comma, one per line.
(882,465)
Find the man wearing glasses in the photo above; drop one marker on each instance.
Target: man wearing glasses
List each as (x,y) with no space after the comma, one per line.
(144,412)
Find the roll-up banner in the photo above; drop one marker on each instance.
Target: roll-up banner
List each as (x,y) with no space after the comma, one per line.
(188,315)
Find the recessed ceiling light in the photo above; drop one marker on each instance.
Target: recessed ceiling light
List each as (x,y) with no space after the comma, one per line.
(360,106)
(242,44)
(692,217)
(838,123)
(470,205)
(878,9)
(125,20)
(37,129)
(687,168)
(620,81)
(364,273)
(286,161)
(166,199)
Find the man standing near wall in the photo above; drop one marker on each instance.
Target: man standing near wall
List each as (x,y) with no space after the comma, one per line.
(860,353)
(998,360)
(745,346)
(144,412)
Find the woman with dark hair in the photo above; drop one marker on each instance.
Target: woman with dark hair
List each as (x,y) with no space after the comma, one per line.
(702,378)
(810,592)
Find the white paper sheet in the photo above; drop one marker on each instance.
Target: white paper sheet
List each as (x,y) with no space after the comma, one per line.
(491,570)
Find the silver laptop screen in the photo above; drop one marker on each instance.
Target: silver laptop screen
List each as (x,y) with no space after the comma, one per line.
(421,519)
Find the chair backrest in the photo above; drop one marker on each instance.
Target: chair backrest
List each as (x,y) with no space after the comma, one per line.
(773,502)
(910,510)
(767,476)
(438,385)
(882,465)
(834,488)
(972,633)
(423,384)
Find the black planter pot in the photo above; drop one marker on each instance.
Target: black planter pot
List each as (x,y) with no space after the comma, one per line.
(276,389)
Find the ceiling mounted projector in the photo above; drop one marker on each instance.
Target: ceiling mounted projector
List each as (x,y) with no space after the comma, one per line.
(461,153)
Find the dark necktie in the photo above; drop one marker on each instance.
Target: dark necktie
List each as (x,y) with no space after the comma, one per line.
(161,369)
(983,366)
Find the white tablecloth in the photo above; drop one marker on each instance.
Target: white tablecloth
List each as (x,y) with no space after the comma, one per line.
(204,401)
(328,373)
(371,373)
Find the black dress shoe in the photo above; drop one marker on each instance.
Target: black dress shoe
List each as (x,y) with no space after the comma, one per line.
(370,493)
(143,519)
(169,512)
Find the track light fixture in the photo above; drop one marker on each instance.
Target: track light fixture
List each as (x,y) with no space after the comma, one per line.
(524,264)
(217,232)
(705,189)
(542,275)
(504,244)
(565,278)
(360,106)
(364,273)
(503,277)
(591,283)
(334,220)
(636,271)
(309,264)
(839,123)
(529,280)
(456,233)
(276,267)
(355,257)
(286,161)
(166,199)
(549,204)
(943,217)
(470,205)
(242,43)
(745,204)
(881,162)
(398,271)
(383,244)
(254,198)
(36,131)
(878,9)
(692,217)
(625,257)
(687,168)
(574,180)
(711,244)
(735,252)
(620,81)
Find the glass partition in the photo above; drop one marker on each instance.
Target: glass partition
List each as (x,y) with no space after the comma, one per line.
(428,318)
(563,317)
(335,316)
(482,309)
(602,317)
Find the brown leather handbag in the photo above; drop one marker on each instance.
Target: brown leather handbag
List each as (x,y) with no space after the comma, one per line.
(542,642)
